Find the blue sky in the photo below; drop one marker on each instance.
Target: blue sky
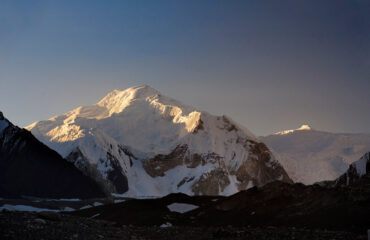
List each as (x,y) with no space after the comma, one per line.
(270,65)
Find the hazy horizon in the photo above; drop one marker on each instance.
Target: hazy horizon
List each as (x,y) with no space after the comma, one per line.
(270,66)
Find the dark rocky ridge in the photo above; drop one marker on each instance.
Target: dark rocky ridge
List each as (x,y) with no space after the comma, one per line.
(275,204)
(30,168)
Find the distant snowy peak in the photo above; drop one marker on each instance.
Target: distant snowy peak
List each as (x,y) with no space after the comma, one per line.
(311,156)
(302,128)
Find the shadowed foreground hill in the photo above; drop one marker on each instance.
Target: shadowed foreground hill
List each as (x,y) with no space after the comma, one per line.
(29,168)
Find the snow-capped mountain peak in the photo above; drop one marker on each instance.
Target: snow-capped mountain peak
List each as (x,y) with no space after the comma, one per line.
(304,127)
(117,100)
(160,145)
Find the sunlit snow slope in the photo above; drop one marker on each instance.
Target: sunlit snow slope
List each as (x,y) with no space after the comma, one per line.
(141,143)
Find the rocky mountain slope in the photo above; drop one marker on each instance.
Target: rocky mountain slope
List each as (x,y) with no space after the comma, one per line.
(142,143)
(311,156)
(29,168)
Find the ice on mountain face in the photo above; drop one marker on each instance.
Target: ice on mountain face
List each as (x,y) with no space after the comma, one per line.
(159,144)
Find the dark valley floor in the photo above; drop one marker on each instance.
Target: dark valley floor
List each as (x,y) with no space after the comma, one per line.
(26,225)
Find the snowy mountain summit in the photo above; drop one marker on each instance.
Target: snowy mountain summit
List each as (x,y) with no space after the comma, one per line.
(302,128)
(141,143)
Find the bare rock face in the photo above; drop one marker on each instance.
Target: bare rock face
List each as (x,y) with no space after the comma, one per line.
(211,183)
(160,164)
(180,156)
(141,143)
(260,160)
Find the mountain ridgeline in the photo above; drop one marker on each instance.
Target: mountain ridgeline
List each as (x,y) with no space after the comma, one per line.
(138,142)
(30,168)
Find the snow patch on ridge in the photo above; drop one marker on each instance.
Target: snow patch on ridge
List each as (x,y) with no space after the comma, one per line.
(181,207)
(26,208)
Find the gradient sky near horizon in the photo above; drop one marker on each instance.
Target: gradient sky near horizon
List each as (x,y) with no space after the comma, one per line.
(270,65)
